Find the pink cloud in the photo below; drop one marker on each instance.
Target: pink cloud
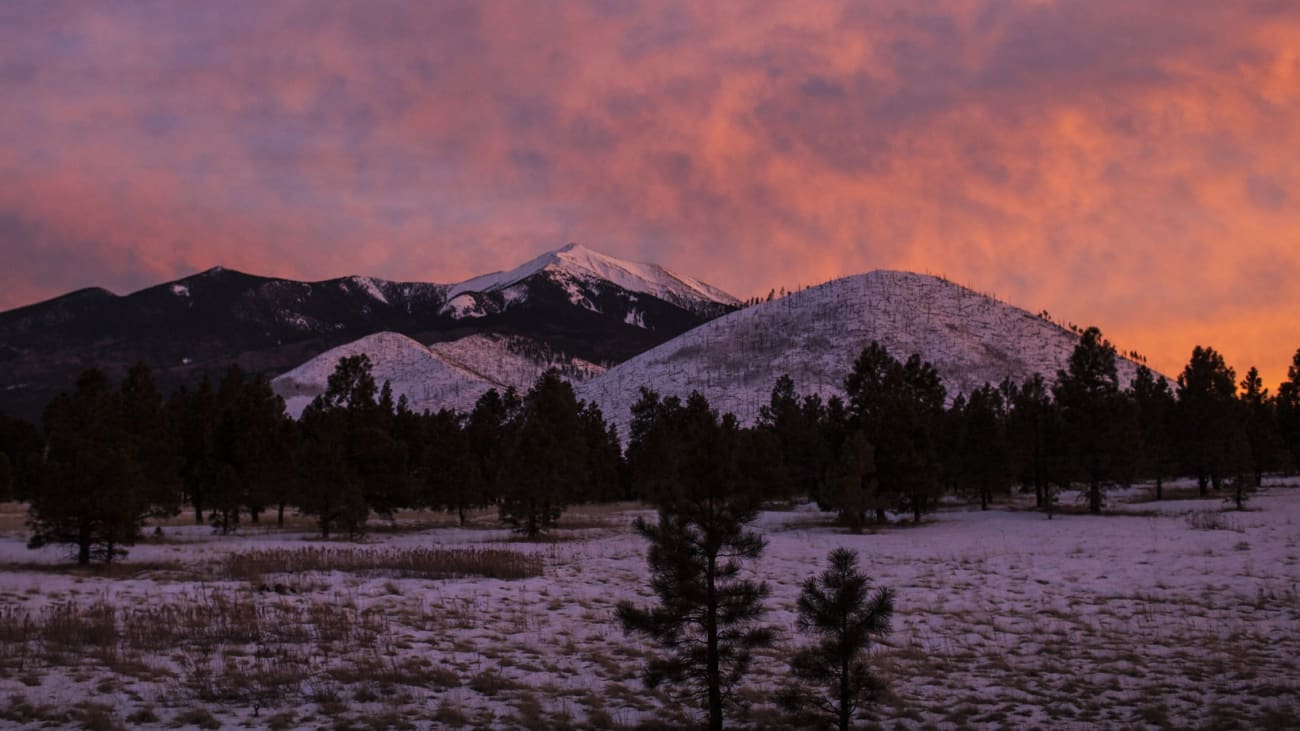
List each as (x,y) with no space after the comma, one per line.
(1130,166)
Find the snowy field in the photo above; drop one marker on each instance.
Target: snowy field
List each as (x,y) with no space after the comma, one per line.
(1181,614)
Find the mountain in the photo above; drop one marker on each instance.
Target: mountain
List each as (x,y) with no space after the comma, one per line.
(450,374)
(574,302)
(816,334)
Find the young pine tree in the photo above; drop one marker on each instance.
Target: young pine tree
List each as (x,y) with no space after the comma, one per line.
(707,617)
(835,681)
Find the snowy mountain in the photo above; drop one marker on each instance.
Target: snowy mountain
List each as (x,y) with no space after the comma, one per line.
(584,274)
(446,375)
(572,300)
(816,334)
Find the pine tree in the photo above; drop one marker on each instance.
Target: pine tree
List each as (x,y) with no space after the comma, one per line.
(91,488)
(800,457)
(849,481)
(546,460)
(6,478)
(899,406)
(1207,417)
(1288,412)
(984,450)
(1100,422)
(1155,405)
(1259,415)
(841,611)
(348,462)
(604,477)
(1034,431)
(193,416)
(21,444)
(453,480)
(707,616)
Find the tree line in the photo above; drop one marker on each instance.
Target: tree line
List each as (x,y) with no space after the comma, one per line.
(109,457)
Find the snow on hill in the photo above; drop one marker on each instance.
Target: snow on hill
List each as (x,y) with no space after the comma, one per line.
(446,375)
(816,334)
(575,266)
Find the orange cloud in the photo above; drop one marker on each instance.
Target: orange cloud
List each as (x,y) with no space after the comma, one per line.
(1135,167)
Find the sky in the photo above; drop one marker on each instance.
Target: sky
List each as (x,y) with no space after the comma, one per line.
(1133,165)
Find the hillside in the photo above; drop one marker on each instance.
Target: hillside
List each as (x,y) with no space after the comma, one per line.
(816,334)
(446,375)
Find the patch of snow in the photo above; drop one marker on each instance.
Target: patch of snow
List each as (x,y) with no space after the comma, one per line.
(371,287)
(463,306)
(635,317)
(180,290)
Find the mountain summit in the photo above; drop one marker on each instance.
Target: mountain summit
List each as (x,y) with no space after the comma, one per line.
(574,265)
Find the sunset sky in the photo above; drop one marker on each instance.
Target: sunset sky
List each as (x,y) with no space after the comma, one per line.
(1134,165)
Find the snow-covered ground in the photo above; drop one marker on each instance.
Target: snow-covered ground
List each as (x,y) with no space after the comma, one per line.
(1141,618)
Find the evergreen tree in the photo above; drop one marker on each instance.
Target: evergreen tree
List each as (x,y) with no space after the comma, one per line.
(849,482)
(193,417)
(153,446)
(6,478)
(1155,405)
(348,462)
(842,612)
(250,451)
(604,477)
(453,480)
(547,458)
(1100,423)
(900,409)
(90,491)
(799,458)
(488,431)
(985,454)
(707,615)
(21,445)
(1288,412)
(1207,417)
(1259,415)
(1034,431)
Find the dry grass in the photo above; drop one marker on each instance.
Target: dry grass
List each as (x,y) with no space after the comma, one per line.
(405,563)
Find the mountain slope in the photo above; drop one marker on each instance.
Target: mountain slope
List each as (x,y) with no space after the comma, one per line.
(816,334)
(446,375)
(202,323)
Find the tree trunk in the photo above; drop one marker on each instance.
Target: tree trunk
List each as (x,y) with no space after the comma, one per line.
(712,670)
(1203,482)
(83,545)
(460,514)
(844,690)
(1094,497)
(279,516)
(1160,488)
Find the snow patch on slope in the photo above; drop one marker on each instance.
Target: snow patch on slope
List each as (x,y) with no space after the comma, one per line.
(815,336)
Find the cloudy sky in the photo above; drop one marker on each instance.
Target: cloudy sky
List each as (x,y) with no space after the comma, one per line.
(1134,165)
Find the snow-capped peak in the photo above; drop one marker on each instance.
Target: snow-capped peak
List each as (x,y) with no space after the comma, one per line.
(580,262)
